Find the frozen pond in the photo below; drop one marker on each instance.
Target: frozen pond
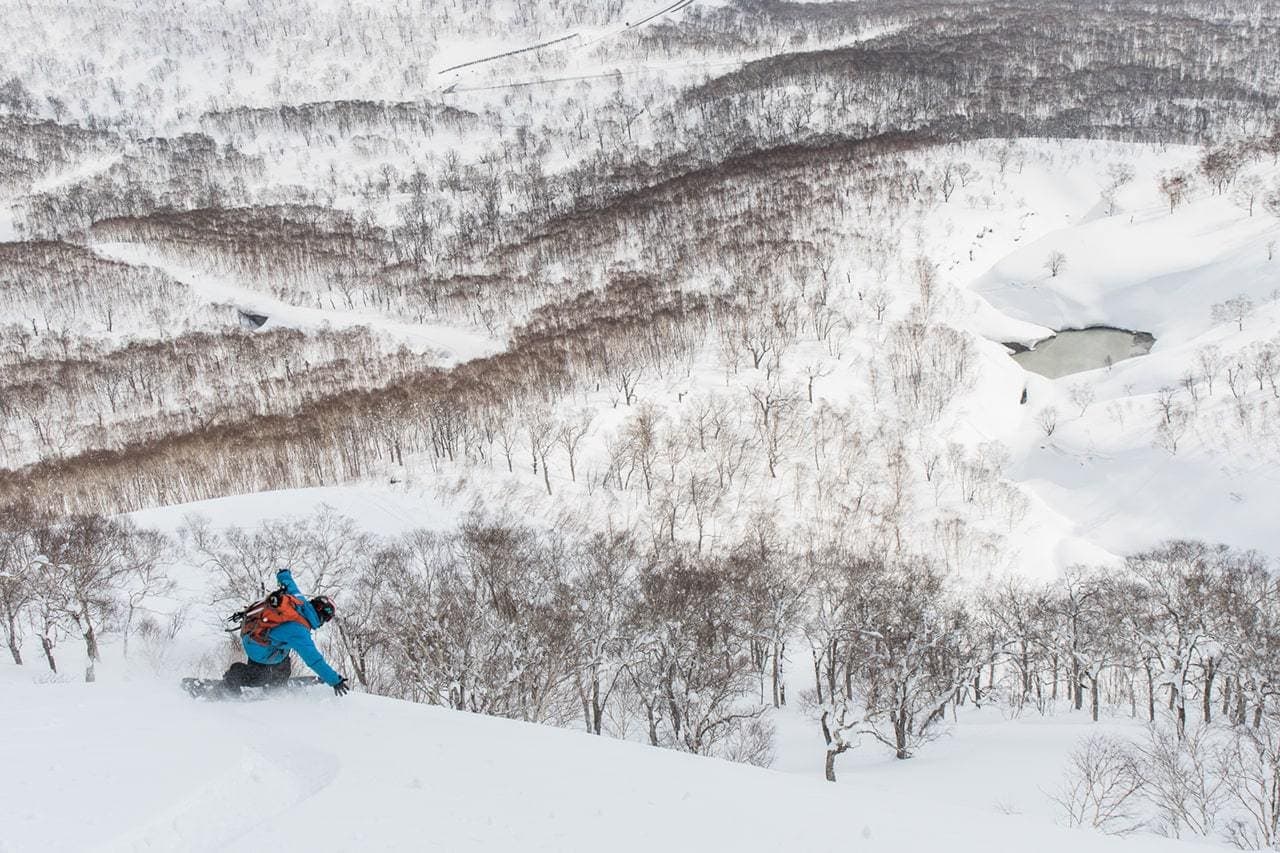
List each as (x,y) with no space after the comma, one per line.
(1076,350)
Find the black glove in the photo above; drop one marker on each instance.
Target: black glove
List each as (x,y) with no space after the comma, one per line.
(342,688)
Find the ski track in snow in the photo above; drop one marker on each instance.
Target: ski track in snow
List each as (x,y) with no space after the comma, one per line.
(451,344)
(212,816)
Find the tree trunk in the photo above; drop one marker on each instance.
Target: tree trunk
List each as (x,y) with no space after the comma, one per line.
(671,700)
(776,702)
(1209,672)
(90,639)
(597,710)
(586,708)
(14,648)
(354,654)
(831,672)
(128,627)
(1077,690)
(91,650)
(47,645)
(1151,692)
(832,749)
(1093,693)
(817,676)
(830,768)
(900,736)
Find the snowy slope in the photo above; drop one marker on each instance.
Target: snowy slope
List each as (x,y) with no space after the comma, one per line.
(139,767)
(451,344)
(377,509)
(1090,485)
(1146,269)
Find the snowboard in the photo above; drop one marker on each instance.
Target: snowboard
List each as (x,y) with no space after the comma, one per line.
(217,690)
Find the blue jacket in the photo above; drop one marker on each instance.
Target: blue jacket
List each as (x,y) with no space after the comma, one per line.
(292,637)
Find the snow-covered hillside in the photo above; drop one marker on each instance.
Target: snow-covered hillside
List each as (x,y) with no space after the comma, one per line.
(877,392)
(1083,494)
(134,767)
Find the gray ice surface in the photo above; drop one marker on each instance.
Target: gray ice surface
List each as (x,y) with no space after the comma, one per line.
(1077,350)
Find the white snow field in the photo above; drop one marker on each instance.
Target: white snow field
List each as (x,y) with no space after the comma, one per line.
(1107,468)
(137,766)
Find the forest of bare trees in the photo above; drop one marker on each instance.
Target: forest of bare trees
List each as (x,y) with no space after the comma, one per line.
(652,641)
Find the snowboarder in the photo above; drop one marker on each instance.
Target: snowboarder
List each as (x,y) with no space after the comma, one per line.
(272,629)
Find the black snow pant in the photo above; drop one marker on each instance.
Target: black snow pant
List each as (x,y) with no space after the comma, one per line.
(251,674)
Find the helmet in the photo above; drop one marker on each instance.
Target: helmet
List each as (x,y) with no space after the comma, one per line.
(324,607)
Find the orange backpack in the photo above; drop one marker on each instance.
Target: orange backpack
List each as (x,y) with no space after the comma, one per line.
(276,609)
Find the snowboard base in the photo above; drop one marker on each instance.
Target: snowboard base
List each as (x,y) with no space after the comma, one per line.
(217,690)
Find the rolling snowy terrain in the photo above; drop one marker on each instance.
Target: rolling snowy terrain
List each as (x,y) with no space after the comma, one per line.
(141,768)
(721,424)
